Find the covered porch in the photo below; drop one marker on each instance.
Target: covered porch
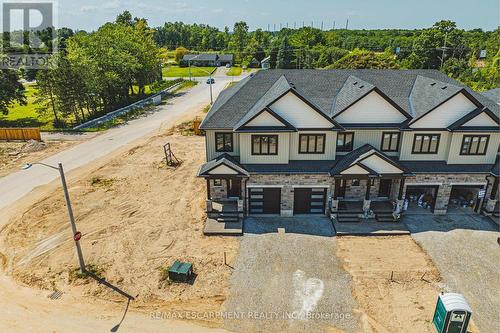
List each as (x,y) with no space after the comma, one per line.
(226,180)
(368,186)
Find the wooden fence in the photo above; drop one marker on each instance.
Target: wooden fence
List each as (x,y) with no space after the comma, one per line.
(21,133)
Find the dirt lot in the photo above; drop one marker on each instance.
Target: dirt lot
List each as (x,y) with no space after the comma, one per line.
(405,304)
(137,216)
(16,153)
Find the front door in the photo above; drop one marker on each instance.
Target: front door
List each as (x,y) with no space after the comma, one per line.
(233,188)
(340,188)
(384,190)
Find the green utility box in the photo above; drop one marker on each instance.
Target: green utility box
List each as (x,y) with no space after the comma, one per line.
(452,314)
(180,271)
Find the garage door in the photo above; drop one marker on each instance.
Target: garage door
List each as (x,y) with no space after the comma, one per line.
(421,197)
(309,200)
(265,200)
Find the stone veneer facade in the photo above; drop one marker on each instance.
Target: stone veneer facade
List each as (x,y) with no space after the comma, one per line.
(287,182)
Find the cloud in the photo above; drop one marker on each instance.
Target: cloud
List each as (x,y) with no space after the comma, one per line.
(113,4)
(217,10)
(88,9)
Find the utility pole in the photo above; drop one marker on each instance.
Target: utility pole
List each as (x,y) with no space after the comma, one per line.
(294,25)
(333,25)
(444,50)
(321,25)
(268,27)
(274,27)
(346,24)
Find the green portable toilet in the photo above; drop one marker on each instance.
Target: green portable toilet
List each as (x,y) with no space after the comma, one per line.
(452,314)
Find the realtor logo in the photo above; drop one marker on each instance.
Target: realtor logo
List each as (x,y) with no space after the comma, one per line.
(28,34)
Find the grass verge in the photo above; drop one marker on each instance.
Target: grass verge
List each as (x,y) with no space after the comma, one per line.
(176,71)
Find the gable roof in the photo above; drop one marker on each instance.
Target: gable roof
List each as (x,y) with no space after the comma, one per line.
(200,57)
(458,125)
(493,94)
(226,160)
(363,153)
(286,125)
(323,89)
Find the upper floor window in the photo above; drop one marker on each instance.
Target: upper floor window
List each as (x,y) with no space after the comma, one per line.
(224,142)
(390,141)
(474,144)
(264,145)
(345,141)
(312,143)
(426,143)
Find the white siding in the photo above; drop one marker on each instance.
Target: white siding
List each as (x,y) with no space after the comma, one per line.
(298,113)
(246,156)
(222,170)
(407,146)
(371,137)
(330,146)
(354,170)
(456,144)
(372,108)
(264,119)
(210,144)
(380,166)
(446,114)
(481,119)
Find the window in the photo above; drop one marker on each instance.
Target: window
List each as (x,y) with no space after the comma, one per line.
(426,143)
(223,142)
(264,145)
(474,144)
(355,182)
(344,141)
(217,182)
(312,143)
(390,141)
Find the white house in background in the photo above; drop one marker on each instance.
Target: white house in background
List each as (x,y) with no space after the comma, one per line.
(293,142)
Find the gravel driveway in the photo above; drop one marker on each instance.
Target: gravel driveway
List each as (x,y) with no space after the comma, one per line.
(289,282)
(465,250)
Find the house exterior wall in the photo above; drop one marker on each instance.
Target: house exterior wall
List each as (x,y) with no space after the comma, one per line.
(330,146)
(373,108)
(446,114)
(454,156)
(407,147)
(287,182)
(210,144)
(246,156)
(298,113)
(445,183)
(218,192)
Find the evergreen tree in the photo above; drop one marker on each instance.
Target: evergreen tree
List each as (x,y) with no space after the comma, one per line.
(285,54)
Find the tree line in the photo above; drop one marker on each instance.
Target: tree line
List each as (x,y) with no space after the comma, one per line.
(97,72)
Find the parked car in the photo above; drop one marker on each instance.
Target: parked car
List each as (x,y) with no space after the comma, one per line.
(211,81)
(228,65)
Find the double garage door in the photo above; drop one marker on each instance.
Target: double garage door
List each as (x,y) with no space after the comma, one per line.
(267,200)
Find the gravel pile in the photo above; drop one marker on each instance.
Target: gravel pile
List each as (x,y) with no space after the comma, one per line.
(33,146)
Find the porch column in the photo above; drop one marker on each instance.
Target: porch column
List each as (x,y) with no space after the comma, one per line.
(209,200)
(399,202)
(401,187)
(336,190)
(367,201)
(492,200)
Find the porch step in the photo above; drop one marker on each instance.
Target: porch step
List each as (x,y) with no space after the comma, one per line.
(228,219)
(228,214)
(384,217)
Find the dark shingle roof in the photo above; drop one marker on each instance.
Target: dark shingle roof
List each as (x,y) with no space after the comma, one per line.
(224,159)
(200,57)
(442,167)
(326,89)
(353,89)
(297,166)
(226,57)
(493,94)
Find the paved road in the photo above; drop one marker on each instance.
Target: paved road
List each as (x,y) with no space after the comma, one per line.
(16,185)
(464,248)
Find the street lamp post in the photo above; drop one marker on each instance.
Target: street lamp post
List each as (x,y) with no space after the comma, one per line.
(210,82)
(76,235)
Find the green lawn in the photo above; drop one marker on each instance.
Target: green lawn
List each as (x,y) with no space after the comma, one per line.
(175,71)
(26,115)
(234,71)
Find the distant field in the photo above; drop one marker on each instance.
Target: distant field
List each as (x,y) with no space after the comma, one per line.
(26,115)
(175,71)
(234,71)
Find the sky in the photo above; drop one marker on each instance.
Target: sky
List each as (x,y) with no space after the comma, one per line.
(362,14)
